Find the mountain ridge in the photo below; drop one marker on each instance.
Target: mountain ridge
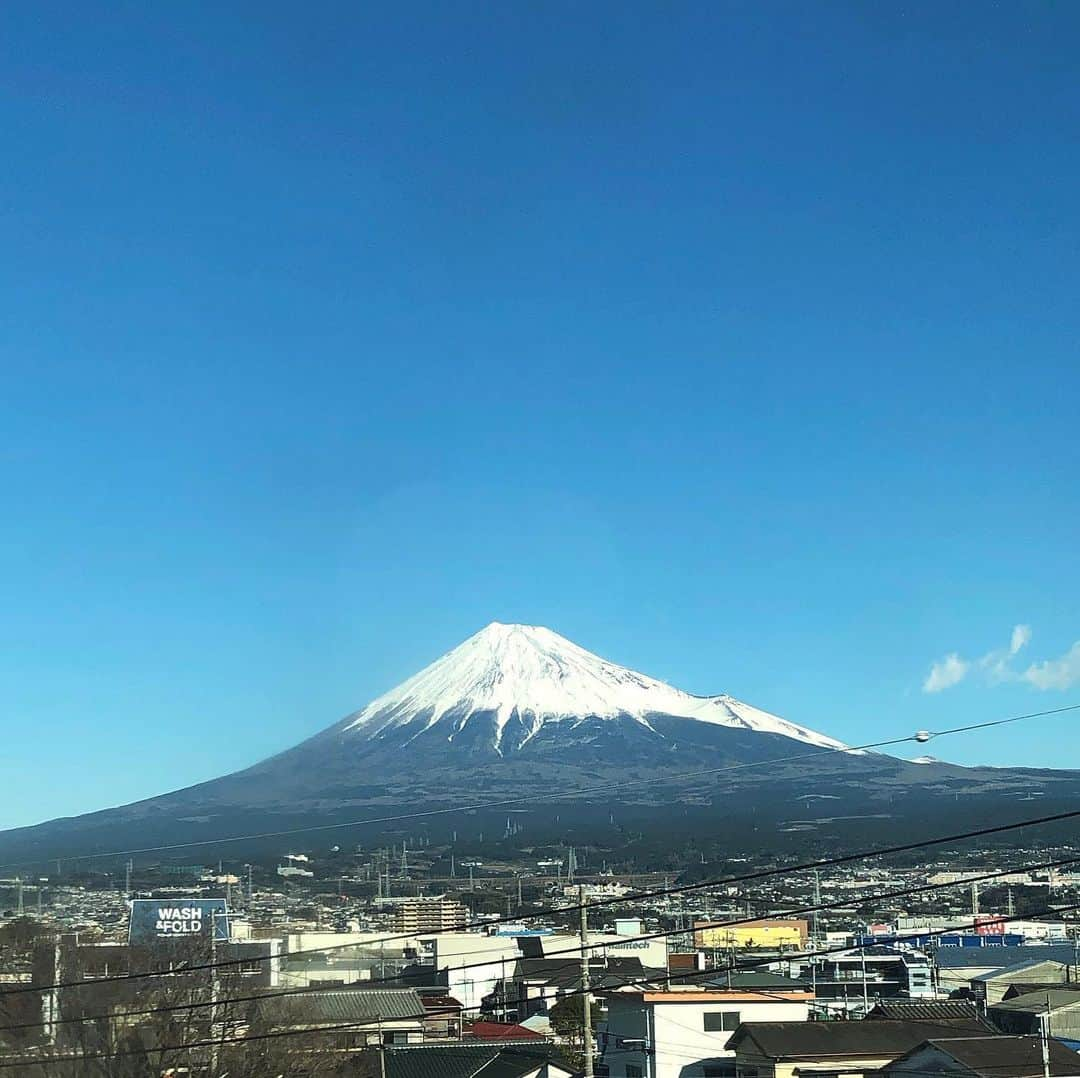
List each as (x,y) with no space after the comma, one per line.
(522,714)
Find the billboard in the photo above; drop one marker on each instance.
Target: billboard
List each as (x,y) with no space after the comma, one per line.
(155,920)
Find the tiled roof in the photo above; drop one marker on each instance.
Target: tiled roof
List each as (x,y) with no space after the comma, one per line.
(340,1006)
(806,1040)
(504,1031)
(913,1010)
(465,1061)
(1007,1057)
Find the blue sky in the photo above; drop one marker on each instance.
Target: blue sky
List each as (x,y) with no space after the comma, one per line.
(737,342)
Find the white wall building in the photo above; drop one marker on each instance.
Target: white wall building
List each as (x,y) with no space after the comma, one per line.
(487,960)
(681,1033)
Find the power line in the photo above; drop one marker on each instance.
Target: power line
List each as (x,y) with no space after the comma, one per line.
(227,1042)
(577,951)
(819,754)
(614,900)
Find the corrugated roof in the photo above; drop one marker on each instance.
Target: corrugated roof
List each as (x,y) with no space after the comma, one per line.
(1019,969)
(1000,957)
(1038,1002)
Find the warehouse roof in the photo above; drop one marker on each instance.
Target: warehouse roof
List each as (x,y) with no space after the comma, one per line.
(1039,1002)
(1000,957)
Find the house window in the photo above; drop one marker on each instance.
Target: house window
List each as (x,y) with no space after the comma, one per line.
(633,1070)
(720,1021)
(718,1070)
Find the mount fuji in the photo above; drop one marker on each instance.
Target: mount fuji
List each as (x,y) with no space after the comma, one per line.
(519,713)
(512,681)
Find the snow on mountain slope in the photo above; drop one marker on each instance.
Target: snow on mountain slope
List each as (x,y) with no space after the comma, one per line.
(544,678)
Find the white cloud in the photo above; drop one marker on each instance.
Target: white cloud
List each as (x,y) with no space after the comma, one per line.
(1060,673)
(1021,637)
(996,667)
(996,663)
(945,673)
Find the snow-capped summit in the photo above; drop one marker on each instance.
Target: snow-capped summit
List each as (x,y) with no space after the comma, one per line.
(533,676)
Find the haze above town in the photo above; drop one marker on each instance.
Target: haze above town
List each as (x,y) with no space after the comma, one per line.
(740,351)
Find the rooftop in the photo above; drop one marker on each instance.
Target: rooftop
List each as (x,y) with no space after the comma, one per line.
(1007,1057)
(806,1040)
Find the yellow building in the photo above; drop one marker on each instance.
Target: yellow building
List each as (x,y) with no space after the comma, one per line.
(765,934)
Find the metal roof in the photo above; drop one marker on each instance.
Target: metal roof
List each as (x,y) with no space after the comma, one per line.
(1038,1002)
(1009,972)
(1000,957)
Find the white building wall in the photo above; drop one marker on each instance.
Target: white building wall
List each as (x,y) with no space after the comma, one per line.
(489,958)
(675,1033)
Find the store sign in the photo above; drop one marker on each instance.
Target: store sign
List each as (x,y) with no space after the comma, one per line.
(154,920)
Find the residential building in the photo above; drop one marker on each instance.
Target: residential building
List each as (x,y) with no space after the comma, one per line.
(856,980)
(418,916)
(683,1032)
(851,1049)
(359,1018)
(984,1057)
(513,1060)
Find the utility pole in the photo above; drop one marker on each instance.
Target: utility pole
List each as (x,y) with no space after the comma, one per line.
(1044,1038)
(974,899)
(586,995)
(215,991)
(817,903)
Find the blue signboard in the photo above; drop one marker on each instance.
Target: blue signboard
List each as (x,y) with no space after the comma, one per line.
(155,920)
